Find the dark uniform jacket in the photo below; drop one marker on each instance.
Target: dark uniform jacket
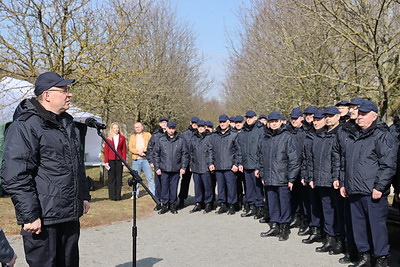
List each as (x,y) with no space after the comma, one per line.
(171,154)
(43,168)
(248,140)
(278,160)
(395,131)
(224,149)
(369,158)
(152,143)
(200,152)
(6,251)
(320,162)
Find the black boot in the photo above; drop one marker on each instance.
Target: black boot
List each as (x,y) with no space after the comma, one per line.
(365,260)
(285,231)
(304,230)
(329,244)
(157,207)
(296,221)
(222,209)
(315,236)
(338,248)
(181,203)
(173,209)
(273,230)
(382,261)
(350,254)
(246,207)
(208,208)
(231,209)
(259,213)
(196,208)
(263,220)
(164,209)
(251,212)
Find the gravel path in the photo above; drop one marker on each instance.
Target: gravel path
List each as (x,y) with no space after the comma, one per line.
(192,240)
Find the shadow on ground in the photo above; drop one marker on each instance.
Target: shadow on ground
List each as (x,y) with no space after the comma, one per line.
(147,262)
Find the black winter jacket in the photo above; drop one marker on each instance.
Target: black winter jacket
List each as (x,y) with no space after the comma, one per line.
(42,167)
(200,152)
(224,149)
(248,140)
(369,158)
(278,160)
(171,154)
(395,131)
(152,143)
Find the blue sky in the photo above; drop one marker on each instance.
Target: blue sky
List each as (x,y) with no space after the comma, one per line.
(211,22)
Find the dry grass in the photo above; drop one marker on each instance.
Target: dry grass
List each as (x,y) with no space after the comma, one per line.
(102,210)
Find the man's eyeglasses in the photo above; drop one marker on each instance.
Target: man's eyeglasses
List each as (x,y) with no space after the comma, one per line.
(64,90)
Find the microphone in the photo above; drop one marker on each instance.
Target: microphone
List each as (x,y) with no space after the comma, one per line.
(92,122)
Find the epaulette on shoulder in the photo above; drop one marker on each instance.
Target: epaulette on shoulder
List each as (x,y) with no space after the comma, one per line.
(25,116)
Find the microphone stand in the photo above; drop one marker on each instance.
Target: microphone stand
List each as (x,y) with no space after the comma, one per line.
(133,181)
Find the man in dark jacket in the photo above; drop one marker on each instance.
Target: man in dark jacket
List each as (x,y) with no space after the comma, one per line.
(199,154)
(370,154)
(44,173)
(7,254)
(171,159)
(278,168)
(224,161)
(248,140)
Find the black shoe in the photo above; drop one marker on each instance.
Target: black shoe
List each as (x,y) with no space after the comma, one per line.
(273,230)
(251,212)
(382,261)
(181,203)
(296,221)
(196,208)
(222,209)
(231,209)
(164,209)
(208,208)
(338,248)
(173,209)
(157,207)
(329,244)
(246,207)
(284,232)
(350,254)
(365,260)
(315,236)
(263,220)
(259,214)
(303,231)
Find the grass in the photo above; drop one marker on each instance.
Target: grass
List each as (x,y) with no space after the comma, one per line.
(102,210)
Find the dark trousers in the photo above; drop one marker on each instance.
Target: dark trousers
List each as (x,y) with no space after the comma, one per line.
(241,185)
(184,190)
(279,204)
(213,183)
(169,187)
(227,192)
(202,187)
(115,179)
(301,200)
(254,189)
(55,246)
(157,185)
(369,217)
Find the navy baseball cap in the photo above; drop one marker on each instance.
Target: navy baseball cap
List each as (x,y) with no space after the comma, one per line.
(164,119)
(319,114)
(262,116)
(209,124)
(250,113)
(310,110)
(195,119)
(331,110)
(223,117)
(367,106)
(342,103)
(356,101)
(49,79)
(274,116)
(296,112)
(232,118)
(201,123)
(171,124)
(282,117)
(239,118)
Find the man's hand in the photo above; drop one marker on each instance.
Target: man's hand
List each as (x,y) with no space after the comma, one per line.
(86,206)
(234,168)
(343,192)
(241,168)
(182,171)
(12,262)
(211,168)
(312,185)
(290,185)
(303,182)
(376,194)
(257,173)
(34,227)
(335,184)
(152,165)
(158,172)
